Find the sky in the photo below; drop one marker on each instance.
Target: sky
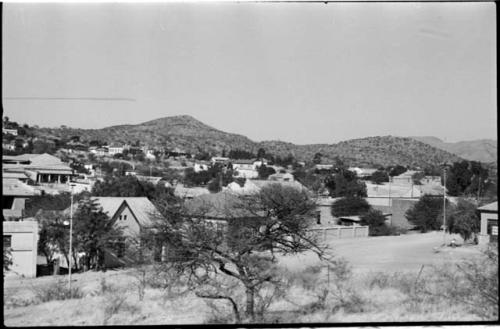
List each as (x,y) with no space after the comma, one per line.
(297,72)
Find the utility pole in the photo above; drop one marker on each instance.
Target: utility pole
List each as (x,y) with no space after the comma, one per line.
(70,265)
(444,205)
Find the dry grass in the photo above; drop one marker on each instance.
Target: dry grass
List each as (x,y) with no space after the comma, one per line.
(354,293)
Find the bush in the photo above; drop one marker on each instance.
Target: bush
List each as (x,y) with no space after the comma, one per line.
(425,214)
(56,290)
(376,222)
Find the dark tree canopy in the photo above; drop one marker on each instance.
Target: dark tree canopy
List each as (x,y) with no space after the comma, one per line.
(265,172)
(345,183)
(463,219)
(376,222)
(240,154)
(129,186)
(94,233)
(350,206)
(396,170)
(379,177)
(426,213)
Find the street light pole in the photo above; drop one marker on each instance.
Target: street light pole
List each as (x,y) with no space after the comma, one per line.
(70,242)
(444,205)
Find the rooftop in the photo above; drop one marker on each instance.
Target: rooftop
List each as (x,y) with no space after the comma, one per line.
(489,207)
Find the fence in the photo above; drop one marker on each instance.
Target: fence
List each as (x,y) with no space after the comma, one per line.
(340,232)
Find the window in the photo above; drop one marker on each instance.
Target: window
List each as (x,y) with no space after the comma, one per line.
(124,217)
(7,241)
(7,202)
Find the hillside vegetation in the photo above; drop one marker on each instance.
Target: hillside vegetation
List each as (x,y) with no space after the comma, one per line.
(190,135)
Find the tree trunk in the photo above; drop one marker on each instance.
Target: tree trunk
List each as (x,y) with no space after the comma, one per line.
(250,312)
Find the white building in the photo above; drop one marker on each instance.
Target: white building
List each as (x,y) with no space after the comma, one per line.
(21,239)
(115,149)
(9,131)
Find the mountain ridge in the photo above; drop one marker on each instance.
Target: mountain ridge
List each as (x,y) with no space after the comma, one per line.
(191,135)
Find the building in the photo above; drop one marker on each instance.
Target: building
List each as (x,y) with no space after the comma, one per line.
(21,238)
(245,168)
(12,132)
(200,166)
(115,149)
(14,195)
(40,168)
(221,160)
(489,223)
(282,177)
(362,172)
(131,214)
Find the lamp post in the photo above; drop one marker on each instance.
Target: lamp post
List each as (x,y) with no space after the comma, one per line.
(444,203)
(70,265)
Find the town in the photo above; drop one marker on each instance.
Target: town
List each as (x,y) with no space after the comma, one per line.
(249,163)
(140,194)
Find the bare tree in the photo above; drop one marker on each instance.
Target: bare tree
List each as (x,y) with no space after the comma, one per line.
(236,238)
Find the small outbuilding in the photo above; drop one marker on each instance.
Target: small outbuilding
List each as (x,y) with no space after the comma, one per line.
(489,223)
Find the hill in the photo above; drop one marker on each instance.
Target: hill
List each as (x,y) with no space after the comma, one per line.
(183,132)
(483,150)
(370,151)
(193,136)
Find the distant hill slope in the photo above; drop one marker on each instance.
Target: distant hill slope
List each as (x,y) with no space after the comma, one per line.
(484,150)
(184,132)
(191,135)
(369,151)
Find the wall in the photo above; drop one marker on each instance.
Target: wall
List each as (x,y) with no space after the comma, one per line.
(398,210)
(16,210)
(340,232)
(129,224)
(24,237)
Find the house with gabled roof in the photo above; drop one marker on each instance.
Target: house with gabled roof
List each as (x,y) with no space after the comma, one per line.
(131,214)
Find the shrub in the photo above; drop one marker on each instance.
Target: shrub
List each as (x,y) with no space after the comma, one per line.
(56,290)
(376,222)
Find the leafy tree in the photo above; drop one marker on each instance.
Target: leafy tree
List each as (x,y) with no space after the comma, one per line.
(59,201)
(94,233)
(240,259)
(53,235)
(309,179)
(345,183)
(241,154)
(7,259)
(214,185)
(192,178)
(317,158)
(350,206)
(379,177)
(261,153)
(128,186)
(463,219)
(417,178)
(396,170)
(265,172)
(376,222)
(40,147)
(425,214)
